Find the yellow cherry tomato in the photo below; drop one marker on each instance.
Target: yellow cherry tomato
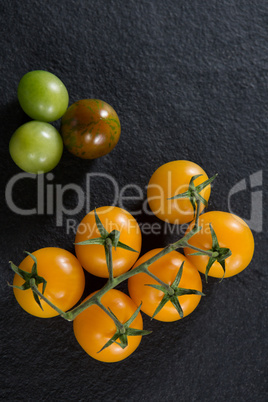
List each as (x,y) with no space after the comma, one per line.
(65,281)
(171,179)
(166,269)
(232,232)
(93,328)
(92,257)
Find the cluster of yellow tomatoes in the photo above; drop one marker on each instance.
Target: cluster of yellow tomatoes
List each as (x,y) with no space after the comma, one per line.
(171,200)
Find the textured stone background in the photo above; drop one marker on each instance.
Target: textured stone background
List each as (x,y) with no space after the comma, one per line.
(188,80)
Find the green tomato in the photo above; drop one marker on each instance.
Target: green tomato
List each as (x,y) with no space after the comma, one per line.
(36,147)
(42,96)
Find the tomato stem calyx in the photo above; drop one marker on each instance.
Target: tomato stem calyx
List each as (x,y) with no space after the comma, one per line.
(113,235)
(173,296)
(108,240)
(216,253)
(193,192)
(41,296)
(123,330)
(32,279)
(163,285)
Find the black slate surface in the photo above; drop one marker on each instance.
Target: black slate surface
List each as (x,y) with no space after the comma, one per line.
(188,80)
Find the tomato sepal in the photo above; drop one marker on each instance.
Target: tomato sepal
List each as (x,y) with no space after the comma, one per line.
(114,236)
(223,253)
(123,330)
(96,240)
(218,254)
(103,232)
(32,279)
(126,247)
(108,240)
(193,192)
(173,293)
(164,300)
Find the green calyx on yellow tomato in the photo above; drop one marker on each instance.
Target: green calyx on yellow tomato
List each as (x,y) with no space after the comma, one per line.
(51,278)
(219,254)
(123,330)
(169,289)
(114,241)
(32,279)
(108,240)
(231,250)
(173,293)
(176,189)
(193,192)
(96,330)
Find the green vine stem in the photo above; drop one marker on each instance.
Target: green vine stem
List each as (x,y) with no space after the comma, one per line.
(213,254)
(142,268)
(41,296)
(112,240)
(109,259)
(113,282)
(118,324)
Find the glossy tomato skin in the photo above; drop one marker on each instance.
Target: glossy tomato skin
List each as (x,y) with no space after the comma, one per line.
(42,95)
(36,147)
(169,180)
(232,232)
(93,327)
(90,128)
(92,257)
(65,281)
(165,269)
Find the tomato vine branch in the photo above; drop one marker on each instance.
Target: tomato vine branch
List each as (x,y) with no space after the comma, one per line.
(110,240)
(109,258)
(41,296)
(142,268)
(118,324)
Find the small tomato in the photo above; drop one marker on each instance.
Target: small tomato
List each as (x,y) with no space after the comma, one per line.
(92,257)
(232,232)
(169,180)
(65,281)
(90,128)
(42,95)
(36,147)
(166,269)
(93,328)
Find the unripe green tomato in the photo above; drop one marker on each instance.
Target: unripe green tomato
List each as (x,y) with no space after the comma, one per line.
(36,147)
(42,96)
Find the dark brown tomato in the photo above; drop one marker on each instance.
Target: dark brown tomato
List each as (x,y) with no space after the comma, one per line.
(90,128)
